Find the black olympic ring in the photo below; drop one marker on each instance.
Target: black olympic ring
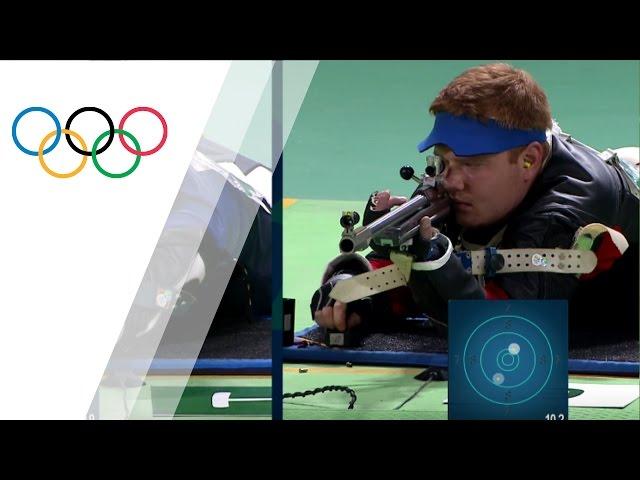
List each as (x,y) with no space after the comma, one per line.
(90,109)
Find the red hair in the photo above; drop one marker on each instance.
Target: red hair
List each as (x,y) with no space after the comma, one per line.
(496,91)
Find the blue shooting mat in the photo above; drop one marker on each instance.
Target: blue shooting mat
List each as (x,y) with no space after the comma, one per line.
(417,342)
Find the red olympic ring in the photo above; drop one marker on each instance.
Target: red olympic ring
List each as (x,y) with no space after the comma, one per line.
(164,130)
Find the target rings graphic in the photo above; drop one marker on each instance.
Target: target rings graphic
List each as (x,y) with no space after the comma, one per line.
(95,151)
(508,360)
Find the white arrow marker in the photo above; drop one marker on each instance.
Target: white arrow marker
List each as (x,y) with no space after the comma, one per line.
(221,399)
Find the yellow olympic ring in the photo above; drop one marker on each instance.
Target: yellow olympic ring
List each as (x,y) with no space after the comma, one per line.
(52,172)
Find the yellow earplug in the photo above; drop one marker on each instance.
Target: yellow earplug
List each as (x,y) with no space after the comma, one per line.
(527,164)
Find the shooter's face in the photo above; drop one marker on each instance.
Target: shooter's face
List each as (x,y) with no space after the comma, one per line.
(484,189)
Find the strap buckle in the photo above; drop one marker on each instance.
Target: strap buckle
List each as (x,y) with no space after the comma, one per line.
(493,262)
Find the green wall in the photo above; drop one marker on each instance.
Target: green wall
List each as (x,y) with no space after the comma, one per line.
(361,120)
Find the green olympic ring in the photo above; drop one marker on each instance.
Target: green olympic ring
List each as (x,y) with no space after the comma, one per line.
(94,155)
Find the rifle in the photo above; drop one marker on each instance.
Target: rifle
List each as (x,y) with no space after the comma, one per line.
(394,230)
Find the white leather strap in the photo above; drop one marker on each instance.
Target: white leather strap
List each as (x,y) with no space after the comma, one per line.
(553,260)
(369,283)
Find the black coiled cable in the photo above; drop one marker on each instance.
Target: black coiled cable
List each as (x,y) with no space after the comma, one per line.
(329,388)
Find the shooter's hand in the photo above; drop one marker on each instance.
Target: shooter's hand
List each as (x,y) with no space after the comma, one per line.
(427,231)
(381,201)
(334,317)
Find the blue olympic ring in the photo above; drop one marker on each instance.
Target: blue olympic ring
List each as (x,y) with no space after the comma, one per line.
(14,129)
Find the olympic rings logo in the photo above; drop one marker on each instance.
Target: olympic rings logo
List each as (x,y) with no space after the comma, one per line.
(95,151)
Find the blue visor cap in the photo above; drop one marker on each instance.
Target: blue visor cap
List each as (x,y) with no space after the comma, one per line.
(468,137)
